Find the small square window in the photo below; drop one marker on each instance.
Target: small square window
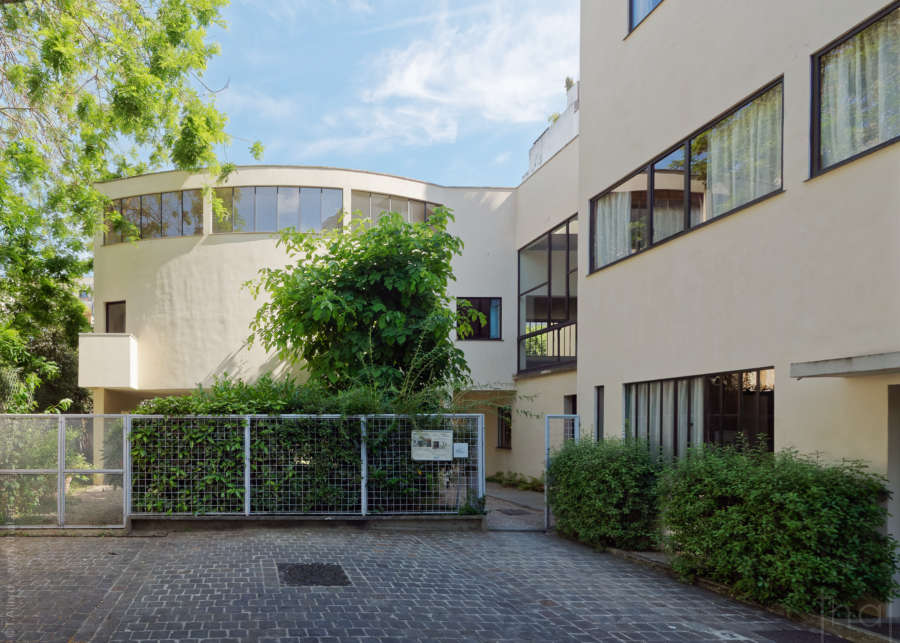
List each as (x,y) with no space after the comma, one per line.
(487,306)
(115,317)
(504,427)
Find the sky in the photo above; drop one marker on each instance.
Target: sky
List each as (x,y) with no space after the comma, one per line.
(448,91)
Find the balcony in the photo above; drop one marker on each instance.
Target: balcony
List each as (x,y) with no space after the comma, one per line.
(548,348)
(107,360)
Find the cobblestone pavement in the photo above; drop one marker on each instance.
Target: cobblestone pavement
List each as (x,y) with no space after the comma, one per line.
(478,586)
(505,515)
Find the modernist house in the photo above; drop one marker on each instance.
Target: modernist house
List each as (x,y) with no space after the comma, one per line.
(715,219)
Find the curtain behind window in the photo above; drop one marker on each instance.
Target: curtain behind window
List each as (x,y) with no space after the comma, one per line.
(860,91)
(745,154)
(612,239)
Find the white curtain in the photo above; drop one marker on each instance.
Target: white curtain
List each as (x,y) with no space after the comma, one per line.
(668,419)
(641,425)
(697,388)
(860,91)
(655,428)
(684,427)
(612,239)
(668,218)
(745,154)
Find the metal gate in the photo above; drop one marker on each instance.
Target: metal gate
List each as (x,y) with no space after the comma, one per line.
(558,428)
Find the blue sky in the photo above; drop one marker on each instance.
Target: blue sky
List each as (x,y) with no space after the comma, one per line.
(452,92)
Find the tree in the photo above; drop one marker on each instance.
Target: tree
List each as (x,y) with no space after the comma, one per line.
(89,90)
(367,304)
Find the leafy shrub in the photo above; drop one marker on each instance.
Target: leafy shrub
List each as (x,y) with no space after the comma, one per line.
(604,493)
(780,529)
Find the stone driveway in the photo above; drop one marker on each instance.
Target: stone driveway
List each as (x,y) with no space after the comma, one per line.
(474,586)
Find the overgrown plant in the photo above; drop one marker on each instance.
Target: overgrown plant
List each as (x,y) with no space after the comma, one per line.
(780,528)
(368,304)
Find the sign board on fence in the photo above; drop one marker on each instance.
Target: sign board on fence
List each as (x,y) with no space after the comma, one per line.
(432,445)
(460,449)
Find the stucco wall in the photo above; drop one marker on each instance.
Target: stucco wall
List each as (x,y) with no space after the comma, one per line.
(808,274)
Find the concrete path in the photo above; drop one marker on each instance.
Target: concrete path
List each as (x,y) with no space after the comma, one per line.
(401,586)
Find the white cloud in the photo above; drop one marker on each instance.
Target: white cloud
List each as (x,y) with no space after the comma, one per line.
(259,104)
(501,158)
(290,10)
(500,61)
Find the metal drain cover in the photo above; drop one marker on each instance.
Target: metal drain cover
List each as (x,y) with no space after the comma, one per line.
(306,575)
(514,512)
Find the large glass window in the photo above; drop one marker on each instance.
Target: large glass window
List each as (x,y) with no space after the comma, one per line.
(288,208)
(151,216)
(490,308)
(192,212)
(371,205)
(638,10)
(733,162)
(171,214)
(265,209)
(856,92)
(259,209)
(548,298)
(724,408)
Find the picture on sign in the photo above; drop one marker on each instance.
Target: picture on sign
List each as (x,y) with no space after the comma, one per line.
(432,445)
(460,449)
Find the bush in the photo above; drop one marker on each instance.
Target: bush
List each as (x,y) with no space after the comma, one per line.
(604,493)
(780,529)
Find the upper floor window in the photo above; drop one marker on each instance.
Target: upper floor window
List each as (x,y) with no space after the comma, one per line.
(856,92)
(115,317)
(151,216)
(728,164)
(638,10)
(548,297)
(371,206)
(269,208)
(490,308)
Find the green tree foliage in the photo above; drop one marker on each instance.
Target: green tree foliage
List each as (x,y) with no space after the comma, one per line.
(780,529)
(367,304)
(604,493)
(89,90)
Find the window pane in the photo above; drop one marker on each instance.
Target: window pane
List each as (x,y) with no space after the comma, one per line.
(225,225)
(192,212)
(359,204)
(640,9)
(494,318)
(265,210)
(533,264)
(559,275)
(533,311)
(742,156)
(381,203)
(131,213)
(115,317)
(332,208)
(151,216)
(416,212)
(400,206)
(668,195)
(288,208)
(113,235)
(429,209)
(860,91)
(310,209)
(621,221)
(171,213)
(573,244)
(243,209)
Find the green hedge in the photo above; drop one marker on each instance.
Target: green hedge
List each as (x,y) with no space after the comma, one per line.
(780,529)
(604,493)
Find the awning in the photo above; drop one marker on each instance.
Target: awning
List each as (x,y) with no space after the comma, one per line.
(848,366)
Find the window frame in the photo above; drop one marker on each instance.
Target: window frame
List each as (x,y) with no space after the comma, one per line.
(641,21)
(504,427)
(648,167)
(106,316)
(499,321)
(815,95)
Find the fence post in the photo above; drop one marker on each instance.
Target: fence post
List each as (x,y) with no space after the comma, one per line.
(247,466)
(60,470)
(481,481)
(126,467)
(364,468)
(546,471)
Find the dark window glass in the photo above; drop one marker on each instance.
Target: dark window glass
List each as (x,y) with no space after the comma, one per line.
(131,213)
(668,195)
(570,407)
(429,209)
(310,209)
(332,208)
(266,220)
(504,427)
(288,208)
(638,10)
(381,203)
(490,308)
(858,92)
(224,224)
(115,317)
(192,212)
(598,412)
(113,234)
(151,216)
(171,214)
(242,211)
(400,205)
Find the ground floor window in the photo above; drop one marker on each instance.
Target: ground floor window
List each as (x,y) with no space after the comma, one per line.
(504,427)
(675,414)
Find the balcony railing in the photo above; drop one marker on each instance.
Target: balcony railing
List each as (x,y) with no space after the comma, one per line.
(548,347)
